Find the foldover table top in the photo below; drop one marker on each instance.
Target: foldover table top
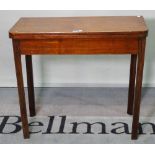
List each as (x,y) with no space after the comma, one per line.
(80,35)
(33,27)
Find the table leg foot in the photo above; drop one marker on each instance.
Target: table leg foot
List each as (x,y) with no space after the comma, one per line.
(134,137)
(26,136)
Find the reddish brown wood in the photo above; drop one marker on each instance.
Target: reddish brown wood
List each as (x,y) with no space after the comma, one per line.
(80,46)
(132,84)
(80,35)
(20,84)
(30,85)
(52,27)
(136,110)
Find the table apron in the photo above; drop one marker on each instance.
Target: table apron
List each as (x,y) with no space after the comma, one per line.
(79,46)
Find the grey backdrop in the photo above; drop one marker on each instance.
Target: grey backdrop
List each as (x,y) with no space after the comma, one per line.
(74,70)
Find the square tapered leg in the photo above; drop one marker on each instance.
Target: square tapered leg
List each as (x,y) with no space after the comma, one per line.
(138,89)
(30,85)
(21,93)
(132,84)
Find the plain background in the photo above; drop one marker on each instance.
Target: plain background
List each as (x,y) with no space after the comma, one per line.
(69,71)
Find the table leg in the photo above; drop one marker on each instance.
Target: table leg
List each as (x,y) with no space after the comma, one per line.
(21,93)
(132,84)
(136,110)
(30,85)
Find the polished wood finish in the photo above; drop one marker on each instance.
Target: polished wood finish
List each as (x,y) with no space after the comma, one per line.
(39,28)
(136,110)
(80,46)
(20,84)
(132,84)
(30,85)
(80,35)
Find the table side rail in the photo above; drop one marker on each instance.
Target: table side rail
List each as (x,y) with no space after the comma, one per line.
(80,46)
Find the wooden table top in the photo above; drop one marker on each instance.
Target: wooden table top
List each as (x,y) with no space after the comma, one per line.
(30,27)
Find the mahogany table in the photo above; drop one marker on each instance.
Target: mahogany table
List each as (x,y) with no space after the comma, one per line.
(80,35)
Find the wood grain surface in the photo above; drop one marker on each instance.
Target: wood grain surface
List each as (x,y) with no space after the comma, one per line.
(34,27)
